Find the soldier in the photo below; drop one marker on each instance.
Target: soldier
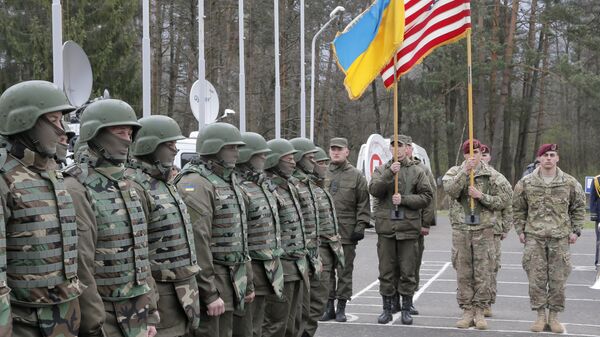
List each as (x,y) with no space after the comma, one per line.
(305,162)
(348,187)
(264,234)
(171,247)
(473,239)
(331,252)
(5,316)
(41,238)
(594,211)
(502,224)
(548,210)
(280,312)
(209,187)
(111,227)
(398,223)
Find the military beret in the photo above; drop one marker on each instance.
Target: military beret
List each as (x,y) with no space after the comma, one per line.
(545,148)
(485,149)
(338,142)
(465,146)
(404,139)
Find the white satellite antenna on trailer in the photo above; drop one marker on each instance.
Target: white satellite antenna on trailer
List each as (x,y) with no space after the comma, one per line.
(77,74)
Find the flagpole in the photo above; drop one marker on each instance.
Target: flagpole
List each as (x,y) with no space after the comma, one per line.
(396,79)
(470,112)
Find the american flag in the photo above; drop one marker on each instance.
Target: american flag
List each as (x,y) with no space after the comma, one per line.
(428,25)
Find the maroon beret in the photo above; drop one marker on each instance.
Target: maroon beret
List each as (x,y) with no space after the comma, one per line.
(465,146)
(485,149)
(545,148)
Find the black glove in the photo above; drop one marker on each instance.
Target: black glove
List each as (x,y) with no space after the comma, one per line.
(357,236)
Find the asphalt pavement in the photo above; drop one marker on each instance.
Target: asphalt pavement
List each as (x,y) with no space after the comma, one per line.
(436,297)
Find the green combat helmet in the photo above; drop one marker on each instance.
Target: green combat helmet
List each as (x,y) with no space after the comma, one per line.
(304,146)
(320,155)
(216,135)
(105,113)
(155,131)
(22,104)
(255,144)
(279,147)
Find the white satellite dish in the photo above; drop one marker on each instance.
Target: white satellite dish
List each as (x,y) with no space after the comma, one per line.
(212,102)
(78,78)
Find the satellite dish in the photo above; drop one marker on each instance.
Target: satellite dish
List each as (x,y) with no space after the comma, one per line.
(77,74)
(212,102)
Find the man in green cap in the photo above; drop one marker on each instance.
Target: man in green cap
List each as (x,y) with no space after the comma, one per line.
(209,187)
(348,187)
(281,312)
(331,252)
(111,227)
(41,264)
(171,248)
(399,223)
(264,234)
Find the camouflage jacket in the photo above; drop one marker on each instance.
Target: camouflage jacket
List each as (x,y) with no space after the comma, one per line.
(551,210)
(496,194)
(310,214)
(5,316)
(348,187)
(429,212)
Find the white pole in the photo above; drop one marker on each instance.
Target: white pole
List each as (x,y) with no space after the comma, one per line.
(242,69)
(277,80)
(302,75)
(146,79)
(201,66)
(57,57)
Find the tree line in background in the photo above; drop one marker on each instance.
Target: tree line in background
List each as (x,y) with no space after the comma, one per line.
(536,72)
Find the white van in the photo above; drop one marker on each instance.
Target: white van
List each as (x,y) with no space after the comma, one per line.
(187,150)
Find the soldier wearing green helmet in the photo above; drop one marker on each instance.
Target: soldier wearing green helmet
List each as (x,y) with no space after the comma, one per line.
(41,266)
(170,235)
(281,313)
(264,234)
(63,145)
(330,248)
(120,299)
(209,187)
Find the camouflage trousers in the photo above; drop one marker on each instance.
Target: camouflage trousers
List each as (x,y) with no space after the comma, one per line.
(61,320)
(497,264)
(319,289)
(5,316)
(473,257)
(178,306)
(127,318)
(397,264)
(341,277)
(547,262)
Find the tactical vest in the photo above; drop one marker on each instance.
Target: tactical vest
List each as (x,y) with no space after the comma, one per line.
(328,225)
(264,241)
(121,259)
(290,219)
(42,236)
(170,235)
(308,204)
(228,241)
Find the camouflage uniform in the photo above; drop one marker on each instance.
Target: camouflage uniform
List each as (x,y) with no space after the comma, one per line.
(40,263)
(473,252)
(5,317)
(547,213)
(501,227)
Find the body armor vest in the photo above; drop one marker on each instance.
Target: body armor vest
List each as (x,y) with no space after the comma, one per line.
(121,259)
(328,226)
(308,204)
(170,236)
(264,241)
(41,236)
(290,219)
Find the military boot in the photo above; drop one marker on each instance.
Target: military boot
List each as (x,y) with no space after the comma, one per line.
(413,310)
(555,325)
(479,319)
(329,313)
(396,307)
(340,314)
(467,319)
(386,315)
(406,305)
(540,322)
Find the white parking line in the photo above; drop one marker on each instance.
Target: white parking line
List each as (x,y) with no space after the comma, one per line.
(367,288)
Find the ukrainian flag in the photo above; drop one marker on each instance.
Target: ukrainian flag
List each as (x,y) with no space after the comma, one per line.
(368,44)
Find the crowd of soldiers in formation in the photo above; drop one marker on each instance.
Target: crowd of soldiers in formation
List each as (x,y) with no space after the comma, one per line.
(251,238)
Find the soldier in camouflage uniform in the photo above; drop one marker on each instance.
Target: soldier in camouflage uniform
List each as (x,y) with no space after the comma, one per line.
(397,238)
(348,187)
(41,239)
(473,243)
(502,226)
(171,247)
(281,312)
(548,210)
(264,234)
(210,188)
(111,227)
(331,252)
(63,146)
(5,316)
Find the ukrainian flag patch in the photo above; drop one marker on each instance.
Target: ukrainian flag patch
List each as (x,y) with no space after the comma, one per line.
(189,188)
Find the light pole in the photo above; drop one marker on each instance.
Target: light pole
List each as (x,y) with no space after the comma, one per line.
(201,67)
(277,79)
(146,79)
(302,75)
(57,58)
(332,16)
(242,78)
